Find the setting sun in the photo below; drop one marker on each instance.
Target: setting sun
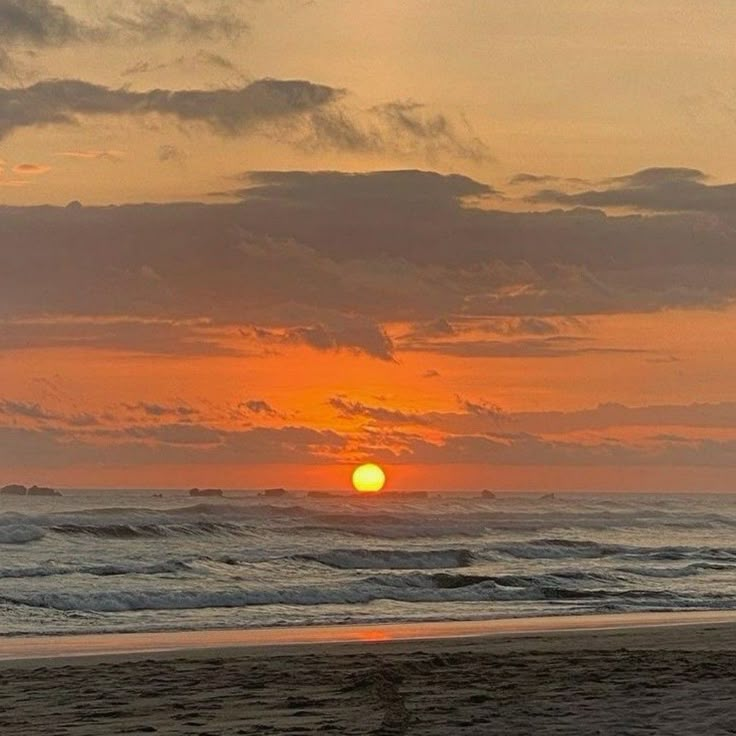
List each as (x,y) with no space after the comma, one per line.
(368,478)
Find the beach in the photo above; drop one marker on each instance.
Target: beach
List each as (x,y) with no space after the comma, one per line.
(660,677)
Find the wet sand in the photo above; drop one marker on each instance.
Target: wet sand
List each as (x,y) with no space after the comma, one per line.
(663,679)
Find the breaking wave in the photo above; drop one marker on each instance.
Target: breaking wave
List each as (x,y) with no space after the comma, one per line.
(133,531)
(695,568)
(548,549)
(99,570)
(20,533)
(411,588)
(391,559)
(133,523)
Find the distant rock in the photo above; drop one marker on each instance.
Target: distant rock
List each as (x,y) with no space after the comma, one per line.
(273,492)
(14,489)
(208,492)
(548,497)
(42,491)
(485,493)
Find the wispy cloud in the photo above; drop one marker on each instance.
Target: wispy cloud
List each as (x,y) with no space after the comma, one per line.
(43,23)
(404,128)
(94,154)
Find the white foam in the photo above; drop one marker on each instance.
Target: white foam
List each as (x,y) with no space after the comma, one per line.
(20,533)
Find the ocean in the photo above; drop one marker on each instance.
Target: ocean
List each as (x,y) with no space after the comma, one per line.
(123,561)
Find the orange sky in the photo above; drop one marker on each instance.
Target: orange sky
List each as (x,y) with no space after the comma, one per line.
(485,245)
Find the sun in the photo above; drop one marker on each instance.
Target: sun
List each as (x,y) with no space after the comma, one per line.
(368,478)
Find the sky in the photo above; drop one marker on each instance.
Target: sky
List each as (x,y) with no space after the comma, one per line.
(255,243)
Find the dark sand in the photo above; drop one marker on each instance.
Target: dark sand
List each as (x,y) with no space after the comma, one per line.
(663,680)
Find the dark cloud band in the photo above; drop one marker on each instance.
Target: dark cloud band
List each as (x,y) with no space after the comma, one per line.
(325,259)
(227,111)
(658,189)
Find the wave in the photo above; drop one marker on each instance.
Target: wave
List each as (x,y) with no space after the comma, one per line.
(547,549)
(132,523)
(355,559)
(51,568)
(392,519)
(410,587)
(557,581)
(695,568)
(20,533)
(391,559)
(133,531)
(556,548)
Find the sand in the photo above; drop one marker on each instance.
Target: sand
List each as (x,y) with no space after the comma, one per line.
(663,679)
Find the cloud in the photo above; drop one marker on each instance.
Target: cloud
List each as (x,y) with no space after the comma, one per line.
(521,450)
(659,189)
(522,326)
(381,189)
(484,410)
(440,330)
(24,409)
(428,330)
(42,23)
(177,444)
(549,347)
(356,334)
(409,123)
(530,450)
(333,259)
(465,337)
(168,152)
(39,23)
(94,154)
(479,433)
(200,444)
(36,414)
(348,408)
(296,112)
(525,178)
(359,335)
(153,409)
(532,178)
(603,416)
(226,111)
(147,337)
(7,65)
(259,406)
(484,417)
(404,128)
(174,434)
(216,60)
(31,169)
(188,62)
(154,20)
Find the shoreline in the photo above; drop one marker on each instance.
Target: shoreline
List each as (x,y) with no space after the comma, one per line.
(662,674)
(106,647)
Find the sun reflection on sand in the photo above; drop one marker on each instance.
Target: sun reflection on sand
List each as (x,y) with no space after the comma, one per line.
(374,635)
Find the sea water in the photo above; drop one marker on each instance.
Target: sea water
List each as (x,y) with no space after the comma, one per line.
(114,561)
